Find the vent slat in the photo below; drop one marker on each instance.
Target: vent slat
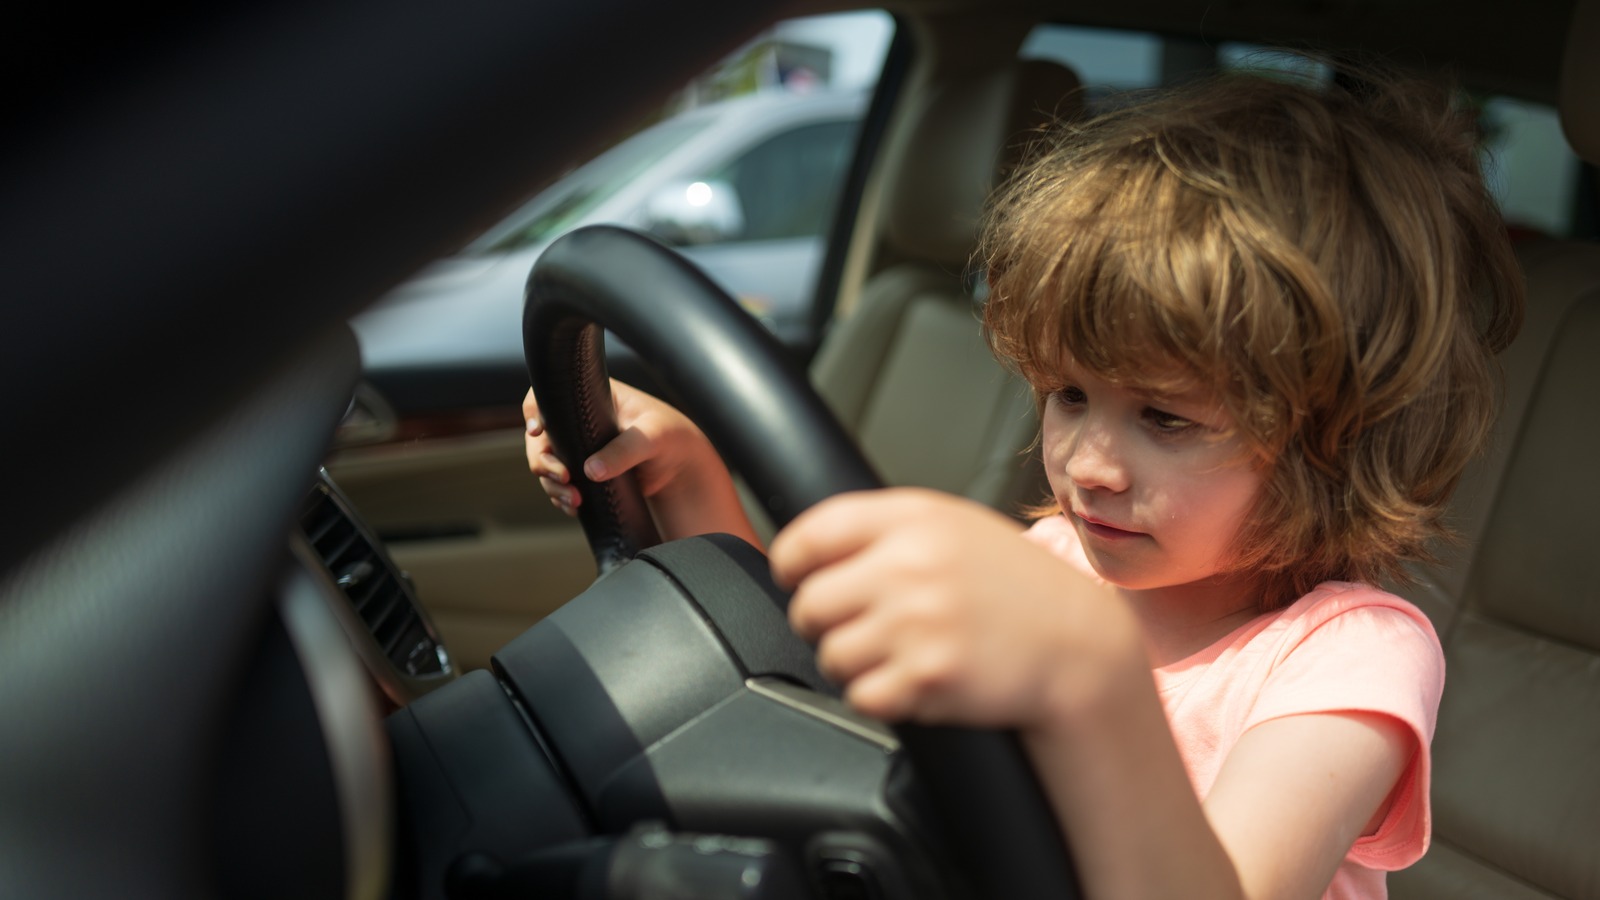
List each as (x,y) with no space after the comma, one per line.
(367,592)
(319,520)
(389,637)
(336,558)
(380,604)
(372,587)
(384,616)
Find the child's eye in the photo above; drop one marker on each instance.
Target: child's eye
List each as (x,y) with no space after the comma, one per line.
(1070,395)
(1167,423)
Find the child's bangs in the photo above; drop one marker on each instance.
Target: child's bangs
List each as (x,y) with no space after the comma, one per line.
(1115,287)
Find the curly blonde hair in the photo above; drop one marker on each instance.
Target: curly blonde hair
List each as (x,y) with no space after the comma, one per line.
(1327,261)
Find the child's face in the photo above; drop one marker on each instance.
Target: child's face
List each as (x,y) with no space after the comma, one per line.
(1156,487)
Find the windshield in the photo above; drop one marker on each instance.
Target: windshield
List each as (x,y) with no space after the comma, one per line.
(566,202)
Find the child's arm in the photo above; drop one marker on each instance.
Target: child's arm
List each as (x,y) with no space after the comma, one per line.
(683,480)
(1293,796)
(930,608)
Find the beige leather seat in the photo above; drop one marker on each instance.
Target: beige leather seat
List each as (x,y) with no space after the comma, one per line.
(1516,790)
(908,372)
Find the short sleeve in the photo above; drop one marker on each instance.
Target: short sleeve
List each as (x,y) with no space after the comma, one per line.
(1370,652)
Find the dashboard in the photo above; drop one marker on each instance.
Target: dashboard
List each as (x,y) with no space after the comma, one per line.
(662,727)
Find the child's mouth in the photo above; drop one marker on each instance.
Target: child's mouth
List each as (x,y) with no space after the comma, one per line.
(1103,530)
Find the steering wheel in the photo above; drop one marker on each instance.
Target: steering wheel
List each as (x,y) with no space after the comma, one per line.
(732,378)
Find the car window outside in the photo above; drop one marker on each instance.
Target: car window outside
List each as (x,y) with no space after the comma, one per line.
(788,185)
(569,200)
(1529,166)
(449,336)
(778,191)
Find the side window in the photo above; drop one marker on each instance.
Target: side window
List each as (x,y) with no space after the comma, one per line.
(1108,61)
(754,211)
(1530,169)
(1111,61)
(788,184)
(1527,163)
(773,123)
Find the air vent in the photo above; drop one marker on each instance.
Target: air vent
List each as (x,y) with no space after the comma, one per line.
(375,588)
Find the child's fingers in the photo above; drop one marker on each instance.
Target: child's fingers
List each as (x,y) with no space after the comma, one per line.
(530,413)
(881,693)
(856,642)
(830,597)
(553,476)
(818,537)
(546,465)
(565,497)
(913,684)
(846,652)
(542,461)
(835,529)
(625,451)
(533,448)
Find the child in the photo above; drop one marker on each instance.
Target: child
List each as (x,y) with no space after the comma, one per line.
(1260,319)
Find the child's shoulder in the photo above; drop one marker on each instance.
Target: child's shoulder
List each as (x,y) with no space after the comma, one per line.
(1358,620)
(1332,600)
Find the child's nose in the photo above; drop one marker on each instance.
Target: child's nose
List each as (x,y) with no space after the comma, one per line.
(1094,461)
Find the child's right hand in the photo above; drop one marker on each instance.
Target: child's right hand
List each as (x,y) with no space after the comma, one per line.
(932,608)
(656,442)
(683,480)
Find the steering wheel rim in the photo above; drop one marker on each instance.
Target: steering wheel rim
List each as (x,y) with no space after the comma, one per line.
(732,378)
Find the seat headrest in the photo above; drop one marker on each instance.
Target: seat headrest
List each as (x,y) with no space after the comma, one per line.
(1580,81)
(965,137)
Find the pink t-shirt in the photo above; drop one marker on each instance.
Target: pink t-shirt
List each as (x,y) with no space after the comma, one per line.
(1341,648)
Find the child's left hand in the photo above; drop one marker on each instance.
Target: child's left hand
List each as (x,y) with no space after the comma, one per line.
(930,607)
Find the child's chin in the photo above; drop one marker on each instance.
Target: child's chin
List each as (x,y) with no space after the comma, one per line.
(1114,575)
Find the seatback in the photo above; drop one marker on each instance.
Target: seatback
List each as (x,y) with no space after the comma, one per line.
(915,332)
(1516,783)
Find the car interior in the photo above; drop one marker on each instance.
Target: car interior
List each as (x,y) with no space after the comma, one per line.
(265,637)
